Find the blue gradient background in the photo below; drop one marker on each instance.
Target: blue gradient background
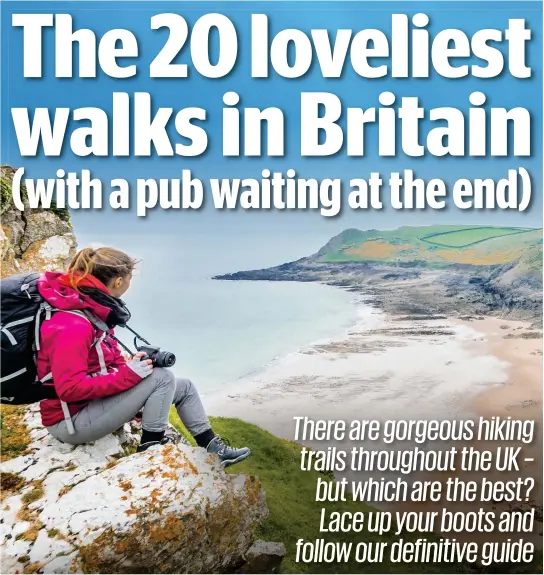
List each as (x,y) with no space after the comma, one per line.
(435,91)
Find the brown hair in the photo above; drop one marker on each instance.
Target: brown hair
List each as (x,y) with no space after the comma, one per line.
(105,264)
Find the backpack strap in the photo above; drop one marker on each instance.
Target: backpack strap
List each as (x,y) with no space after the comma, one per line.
(44,307)
(64,407)
(96,344)
(5,328)
(100,354)
(96,322)
(68,418)
(103,326)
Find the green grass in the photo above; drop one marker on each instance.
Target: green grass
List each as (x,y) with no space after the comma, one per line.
(463,238)
(435,247)
(294,513)
(290,495)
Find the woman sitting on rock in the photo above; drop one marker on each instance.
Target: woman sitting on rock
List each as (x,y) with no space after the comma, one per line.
(98,388)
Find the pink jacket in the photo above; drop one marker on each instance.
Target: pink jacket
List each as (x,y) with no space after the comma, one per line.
(67,350)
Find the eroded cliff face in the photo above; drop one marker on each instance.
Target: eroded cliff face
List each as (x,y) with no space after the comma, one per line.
(101,507)
(34,239)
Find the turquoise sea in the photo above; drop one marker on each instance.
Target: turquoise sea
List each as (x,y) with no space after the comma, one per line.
(223,330)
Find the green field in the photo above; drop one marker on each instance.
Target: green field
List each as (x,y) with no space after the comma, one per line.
(434,246)
(462,238)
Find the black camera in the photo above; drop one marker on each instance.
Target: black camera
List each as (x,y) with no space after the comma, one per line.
(158,358)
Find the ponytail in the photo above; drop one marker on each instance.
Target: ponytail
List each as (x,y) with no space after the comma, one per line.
(105,264)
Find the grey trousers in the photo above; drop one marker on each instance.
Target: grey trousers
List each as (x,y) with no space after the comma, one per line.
(155,394)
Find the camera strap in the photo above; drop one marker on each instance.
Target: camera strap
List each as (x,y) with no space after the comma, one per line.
(102,326)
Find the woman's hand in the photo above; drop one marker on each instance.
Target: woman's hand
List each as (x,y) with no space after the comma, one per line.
(143,368)
(138,356)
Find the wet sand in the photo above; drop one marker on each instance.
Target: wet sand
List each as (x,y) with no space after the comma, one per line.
(384,367)
(405,367)
(518,397)
(519,345)
(521,398)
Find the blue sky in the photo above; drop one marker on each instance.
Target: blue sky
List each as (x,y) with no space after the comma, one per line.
(207,93)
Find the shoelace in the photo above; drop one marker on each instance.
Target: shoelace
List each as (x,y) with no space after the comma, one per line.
(224,442)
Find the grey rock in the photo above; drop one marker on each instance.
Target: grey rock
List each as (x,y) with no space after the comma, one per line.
(263,557)
(34,239)
(456,291)
(171,509)
(41,226)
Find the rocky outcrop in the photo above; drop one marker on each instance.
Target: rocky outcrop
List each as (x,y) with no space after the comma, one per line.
(512,290)
(34,239)
(100,508)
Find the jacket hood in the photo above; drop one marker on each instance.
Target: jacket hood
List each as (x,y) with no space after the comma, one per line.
(56,290)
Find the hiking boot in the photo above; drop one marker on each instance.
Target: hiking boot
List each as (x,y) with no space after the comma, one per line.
(228,455)
(171,437)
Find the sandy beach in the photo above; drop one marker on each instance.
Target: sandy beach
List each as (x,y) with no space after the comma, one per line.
(433,367)
(520,398)
(519,345)
(403,367)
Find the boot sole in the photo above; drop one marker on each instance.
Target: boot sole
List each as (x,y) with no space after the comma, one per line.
(229,462)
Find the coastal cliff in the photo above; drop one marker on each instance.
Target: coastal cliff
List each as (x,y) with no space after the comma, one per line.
(428,270)
(31,240)
(102,508)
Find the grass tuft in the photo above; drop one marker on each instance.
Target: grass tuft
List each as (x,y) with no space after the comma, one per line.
(15,436)
(34,494)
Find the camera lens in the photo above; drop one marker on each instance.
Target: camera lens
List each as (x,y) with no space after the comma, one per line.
(165,359)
